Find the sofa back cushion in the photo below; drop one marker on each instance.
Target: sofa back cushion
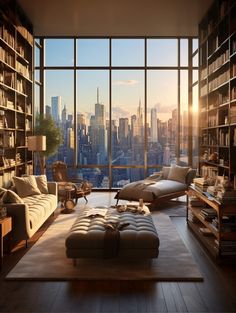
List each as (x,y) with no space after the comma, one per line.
(26,186)
(178,173)
(41,181)
(165,171)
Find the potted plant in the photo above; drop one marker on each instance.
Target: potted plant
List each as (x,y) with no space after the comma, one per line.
(46,126)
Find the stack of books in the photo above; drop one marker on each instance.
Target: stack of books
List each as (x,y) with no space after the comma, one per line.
(200,184)
(226,247)
(208,214)
(195,202)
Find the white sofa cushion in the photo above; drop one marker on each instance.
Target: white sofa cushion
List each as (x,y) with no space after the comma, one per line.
(39,206)
(149,190)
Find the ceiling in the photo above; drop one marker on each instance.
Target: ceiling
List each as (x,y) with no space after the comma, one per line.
(115,17)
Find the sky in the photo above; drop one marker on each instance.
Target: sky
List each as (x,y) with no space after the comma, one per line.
(127,85)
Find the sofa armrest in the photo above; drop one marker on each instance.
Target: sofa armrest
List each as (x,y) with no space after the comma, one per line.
(52,188)
(20,220)
(190,176)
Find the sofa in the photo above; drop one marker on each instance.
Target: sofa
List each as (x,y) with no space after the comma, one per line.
(170,182)
(29,206)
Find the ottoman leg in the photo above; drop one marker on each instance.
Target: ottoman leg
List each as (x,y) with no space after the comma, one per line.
(74,262)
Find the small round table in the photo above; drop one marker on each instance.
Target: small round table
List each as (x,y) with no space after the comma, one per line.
(69,203)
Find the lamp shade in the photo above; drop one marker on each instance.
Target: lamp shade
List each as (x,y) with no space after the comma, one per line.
(37,143)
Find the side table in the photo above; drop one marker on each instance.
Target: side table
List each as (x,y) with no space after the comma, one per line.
(5,228)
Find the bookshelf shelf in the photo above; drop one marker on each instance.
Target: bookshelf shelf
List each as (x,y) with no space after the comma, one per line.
(212,229)
(16,93)
(218,88)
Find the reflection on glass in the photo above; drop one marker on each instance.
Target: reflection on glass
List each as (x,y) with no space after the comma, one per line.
(127,117)
(127,52)
(92,52)
(183,52)
(36,99)
(184,117)
(36,56)
(195,60)
(162,116)
(162,52)
(195,44)
(59,105)
(195,76)
(59,52)
(92,117)
(36,75)
(123,176)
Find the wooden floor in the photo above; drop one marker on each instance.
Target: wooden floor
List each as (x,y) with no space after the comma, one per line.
(215,294)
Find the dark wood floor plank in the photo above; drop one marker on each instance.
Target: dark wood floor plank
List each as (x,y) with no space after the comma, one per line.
(155,298)
(77,297)
(173,298)
(128,298)
(28,296)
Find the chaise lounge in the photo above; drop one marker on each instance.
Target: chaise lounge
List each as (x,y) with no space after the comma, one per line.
(171,182)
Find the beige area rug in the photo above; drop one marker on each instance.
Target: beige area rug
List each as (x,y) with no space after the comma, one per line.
(46,260)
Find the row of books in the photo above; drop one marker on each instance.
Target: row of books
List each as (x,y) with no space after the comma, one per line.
(233,93)
(226,247)
(6,57)
(7,36)
(209,171)
(219,80)
(223,138)
(224,57)
(23,69)
(233,114)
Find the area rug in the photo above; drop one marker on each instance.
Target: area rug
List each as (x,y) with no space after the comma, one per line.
(46,260)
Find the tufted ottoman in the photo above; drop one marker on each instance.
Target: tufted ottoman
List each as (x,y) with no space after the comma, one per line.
(89,237)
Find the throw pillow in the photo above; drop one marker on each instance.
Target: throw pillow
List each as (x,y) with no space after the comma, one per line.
(11,197)
(26,186)
(41,181)
(178,173)
(155,176)
(165,171)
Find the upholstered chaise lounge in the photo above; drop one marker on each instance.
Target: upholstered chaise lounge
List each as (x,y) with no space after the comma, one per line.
(171,182)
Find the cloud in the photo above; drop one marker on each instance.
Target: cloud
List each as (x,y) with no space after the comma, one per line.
(125,82)
(162,108)
(118,112)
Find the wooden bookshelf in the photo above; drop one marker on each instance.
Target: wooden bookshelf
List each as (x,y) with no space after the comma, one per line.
(16,91)
(220,240)
(217,92)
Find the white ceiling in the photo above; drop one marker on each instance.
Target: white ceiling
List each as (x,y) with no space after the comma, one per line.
(115,17)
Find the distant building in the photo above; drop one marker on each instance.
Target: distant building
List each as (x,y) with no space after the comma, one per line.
(48,111)
(56,108)
(154,125)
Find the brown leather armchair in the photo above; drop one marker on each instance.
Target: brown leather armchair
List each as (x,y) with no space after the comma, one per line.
(69,189)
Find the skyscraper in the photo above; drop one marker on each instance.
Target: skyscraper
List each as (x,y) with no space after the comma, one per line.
(63,115)
(56,108)
(154,125)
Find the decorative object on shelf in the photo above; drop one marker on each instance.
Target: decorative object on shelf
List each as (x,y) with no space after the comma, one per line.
(213,157)
(38,144)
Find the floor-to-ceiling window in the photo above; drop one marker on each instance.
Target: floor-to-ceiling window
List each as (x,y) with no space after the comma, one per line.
(126,106)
